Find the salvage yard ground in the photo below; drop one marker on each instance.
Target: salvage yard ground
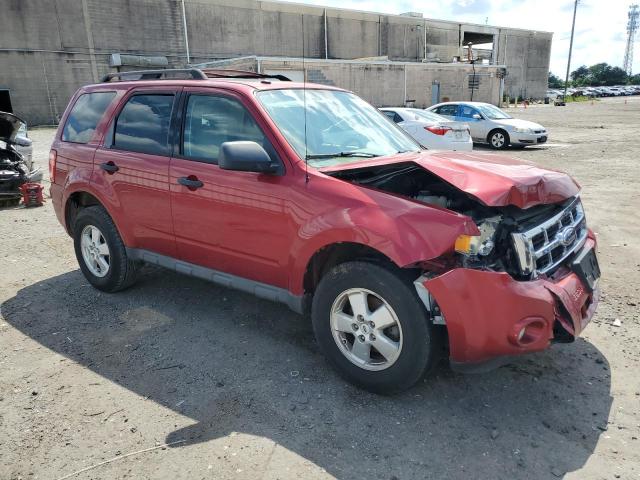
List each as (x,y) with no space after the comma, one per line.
(238,388)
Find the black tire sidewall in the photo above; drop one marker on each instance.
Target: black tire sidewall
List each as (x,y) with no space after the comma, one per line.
(417,350)
(507,139)
(99,218)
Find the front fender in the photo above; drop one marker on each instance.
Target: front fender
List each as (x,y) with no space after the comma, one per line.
(411,233)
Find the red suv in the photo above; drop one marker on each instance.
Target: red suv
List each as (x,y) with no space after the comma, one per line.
(307,195)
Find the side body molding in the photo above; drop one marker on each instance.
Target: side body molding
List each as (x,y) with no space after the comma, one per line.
(261,290)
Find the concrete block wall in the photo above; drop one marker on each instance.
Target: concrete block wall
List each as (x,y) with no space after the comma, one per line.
(72,40)
(383,84)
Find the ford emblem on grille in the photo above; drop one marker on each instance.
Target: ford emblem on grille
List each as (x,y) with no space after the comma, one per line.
(567,236)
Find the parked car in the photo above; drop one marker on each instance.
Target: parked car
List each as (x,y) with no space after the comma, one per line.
(491,125)
(15,168)
(305,194)
(431,130)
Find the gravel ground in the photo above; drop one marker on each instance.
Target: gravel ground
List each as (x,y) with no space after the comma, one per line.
(238,388)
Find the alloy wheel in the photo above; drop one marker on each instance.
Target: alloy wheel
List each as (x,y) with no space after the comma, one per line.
(497,140)
(366,329)
(95,251)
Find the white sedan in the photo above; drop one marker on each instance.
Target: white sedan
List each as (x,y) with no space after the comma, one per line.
(491,125)
(431,130)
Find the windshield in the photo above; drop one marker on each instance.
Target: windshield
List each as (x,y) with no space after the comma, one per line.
(340,126)
(492,113)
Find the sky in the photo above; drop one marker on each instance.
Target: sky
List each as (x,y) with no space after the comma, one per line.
(600,33)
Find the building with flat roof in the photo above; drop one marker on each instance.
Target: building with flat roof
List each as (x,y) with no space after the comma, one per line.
(51,47)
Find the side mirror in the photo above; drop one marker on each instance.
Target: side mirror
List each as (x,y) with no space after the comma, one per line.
(246,157)
(23,141)
(477,116)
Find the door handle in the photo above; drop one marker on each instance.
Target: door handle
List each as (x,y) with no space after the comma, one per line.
(191,182)
(109,167)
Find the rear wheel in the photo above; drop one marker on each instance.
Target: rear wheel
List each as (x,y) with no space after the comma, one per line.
(100,251)
(372,327)
(498,139)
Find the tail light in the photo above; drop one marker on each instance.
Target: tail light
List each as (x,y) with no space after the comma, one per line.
(438,129)
(53,155)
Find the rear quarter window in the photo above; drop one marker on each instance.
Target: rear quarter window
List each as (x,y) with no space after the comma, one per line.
(85,116)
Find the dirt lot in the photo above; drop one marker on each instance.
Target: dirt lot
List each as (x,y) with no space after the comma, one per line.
(239,389)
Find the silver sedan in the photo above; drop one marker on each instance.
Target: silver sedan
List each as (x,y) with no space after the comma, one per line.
(489,124)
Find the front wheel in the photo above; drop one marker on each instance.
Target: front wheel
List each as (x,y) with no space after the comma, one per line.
(372,327)
(499,139)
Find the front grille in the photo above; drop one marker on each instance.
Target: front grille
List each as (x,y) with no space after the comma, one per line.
(538,131)
(543,248)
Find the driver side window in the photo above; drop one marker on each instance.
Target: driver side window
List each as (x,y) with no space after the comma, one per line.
(467,111)
(212,120)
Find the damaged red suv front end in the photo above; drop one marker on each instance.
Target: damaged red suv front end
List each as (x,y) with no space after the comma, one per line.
(527,279)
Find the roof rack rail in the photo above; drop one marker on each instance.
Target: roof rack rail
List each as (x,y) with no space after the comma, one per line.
(228,73)
(194,73)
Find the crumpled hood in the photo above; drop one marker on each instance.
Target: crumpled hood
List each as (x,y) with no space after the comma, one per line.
(494,180)
(9,126)
(516,122)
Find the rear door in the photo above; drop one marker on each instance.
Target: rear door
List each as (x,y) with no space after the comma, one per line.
(234,222)
(132,167)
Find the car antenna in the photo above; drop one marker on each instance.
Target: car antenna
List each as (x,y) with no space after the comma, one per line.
(304,106)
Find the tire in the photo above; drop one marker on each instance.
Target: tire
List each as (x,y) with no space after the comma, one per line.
(120,271)
(498,139)
(418,346)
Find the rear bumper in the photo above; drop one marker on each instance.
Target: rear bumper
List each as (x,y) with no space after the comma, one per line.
(485,312)
(466,146)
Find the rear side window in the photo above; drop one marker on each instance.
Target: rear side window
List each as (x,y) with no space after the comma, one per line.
(449,110)
(393,116)
(211,120)
(143,124)
(85,116)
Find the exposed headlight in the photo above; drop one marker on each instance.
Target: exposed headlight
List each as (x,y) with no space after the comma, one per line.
(482,244)
(523,130)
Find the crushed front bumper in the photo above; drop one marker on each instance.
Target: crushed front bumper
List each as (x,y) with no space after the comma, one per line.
(489,315)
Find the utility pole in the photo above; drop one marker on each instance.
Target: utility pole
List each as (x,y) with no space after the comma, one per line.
(573,26)
(632,28)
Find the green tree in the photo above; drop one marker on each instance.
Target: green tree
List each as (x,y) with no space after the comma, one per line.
(555,81)
(605,74)
(581,75)
(634,79)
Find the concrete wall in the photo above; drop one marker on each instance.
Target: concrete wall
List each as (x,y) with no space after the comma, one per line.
(383,84)
(50,47)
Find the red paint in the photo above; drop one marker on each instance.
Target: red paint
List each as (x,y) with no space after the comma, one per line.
(484,310)
(267,228)
(492,179)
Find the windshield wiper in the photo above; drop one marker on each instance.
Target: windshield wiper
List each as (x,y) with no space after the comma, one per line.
(342,154)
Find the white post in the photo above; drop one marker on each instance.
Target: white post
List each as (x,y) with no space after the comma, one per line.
(186,33)
(326,37)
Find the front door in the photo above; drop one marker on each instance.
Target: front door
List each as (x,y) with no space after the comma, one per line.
(477,124)
(234,222)
(133,165)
